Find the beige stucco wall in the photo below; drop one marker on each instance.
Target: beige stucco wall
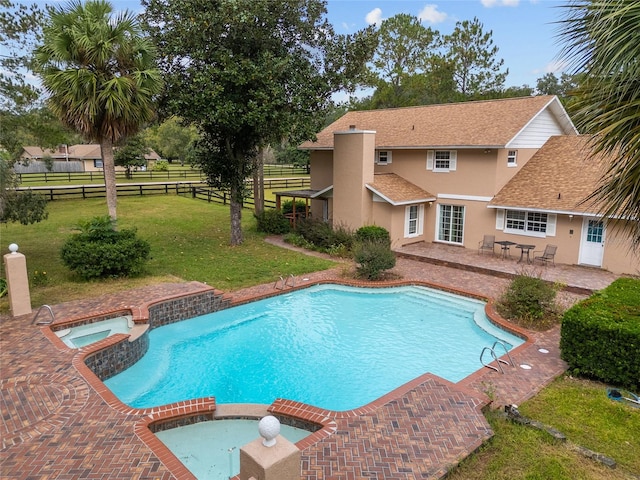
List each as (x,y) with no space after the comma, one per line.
(354,151)
(477,178)
(321,162)
(477,173)
(504,173)
(568,237)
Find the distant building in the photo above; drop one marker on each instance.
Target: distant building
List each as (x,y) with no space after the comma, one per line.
(89,156)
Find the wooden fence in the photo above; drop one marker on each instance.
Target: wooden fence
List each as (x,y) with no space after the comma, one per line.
(146,176)
(197,190)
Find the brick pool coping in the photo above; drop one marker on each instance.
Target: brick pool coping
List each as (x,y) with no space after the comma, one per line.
(347,443)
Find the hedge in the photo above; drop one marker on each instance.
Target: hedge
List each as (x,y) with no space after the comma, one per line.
(600,336)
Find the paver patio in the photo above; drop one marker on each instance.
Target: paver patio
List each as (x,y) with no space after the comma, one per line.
(57,423)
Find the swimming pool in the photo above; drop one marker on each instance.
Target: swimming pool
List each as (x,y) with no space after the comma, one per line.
(83,335)
(330,346)
(211,449)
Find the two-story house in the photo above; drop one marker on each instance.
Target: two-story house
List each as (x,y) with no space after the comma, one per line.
(433,173)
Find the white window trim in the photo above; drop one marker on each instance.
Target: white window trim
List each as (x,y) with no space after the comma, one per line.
(439,213)
(501,224)
(453,161)
(419,221)
(389,155)
(514,157)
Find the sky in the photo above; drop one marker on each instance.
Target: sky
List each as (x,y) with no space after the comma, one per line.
(525,31)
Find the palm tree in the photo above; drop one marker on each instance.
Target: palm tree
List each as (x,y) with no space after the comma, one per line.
(602,42)
(100,73)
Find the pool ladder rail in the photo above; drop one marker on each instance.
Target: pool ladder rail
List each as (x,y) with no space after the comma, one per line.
(44,322)
(284,282)
(499,361)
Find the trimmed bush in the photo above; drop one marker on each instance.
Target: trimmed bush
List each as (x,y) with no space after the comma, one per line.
(530,302)
(374,233)
(100,251)
(373,257)
(600,336)
(273,222)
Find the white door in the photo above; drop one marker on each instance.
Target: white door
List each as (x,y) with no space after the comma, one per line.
(592,242)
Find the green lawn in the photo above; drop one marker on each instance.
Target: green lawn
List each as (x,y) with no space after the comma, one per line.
(189,241)
(580,410)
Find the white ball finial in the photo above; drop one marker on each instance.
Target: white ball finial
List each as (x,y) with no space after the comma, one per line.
(13,248)
(269,428)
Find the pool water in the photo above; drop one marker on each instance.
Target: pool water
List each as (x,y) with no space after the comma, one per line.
(211,449)
(330,346)
(83,335)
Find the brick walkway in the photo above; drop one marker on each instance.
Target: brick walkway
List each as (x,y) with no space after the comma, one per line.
(57,423)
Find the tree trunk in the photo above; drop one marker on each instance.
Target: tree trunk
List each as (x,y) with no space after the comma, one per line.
(236,216)
(258,183)
(109,170)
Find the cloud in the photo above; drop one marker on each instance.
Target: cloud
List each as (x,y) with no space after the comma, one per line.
(500,3)
(555,66)
(374,17)
(431,14)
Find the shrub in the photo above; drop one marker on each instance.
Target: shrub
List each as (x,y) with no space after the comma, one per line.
(372,232)
(161,166)
(287,207)
(325,237)
(298,241)
(373,257)
(273,222)
(99,250)
(530,302)
(600,336)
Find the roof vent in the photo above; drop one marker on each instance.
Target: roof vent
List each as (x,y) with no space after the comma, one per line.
(352,127)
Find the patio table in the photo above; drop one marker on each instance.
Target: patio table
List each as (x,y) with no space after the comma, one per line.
(504,246)
(525,248)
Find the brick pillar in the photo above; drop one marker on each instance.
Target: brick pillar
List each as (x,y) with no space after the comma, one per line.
(15,267)
(279,462)
(271,457)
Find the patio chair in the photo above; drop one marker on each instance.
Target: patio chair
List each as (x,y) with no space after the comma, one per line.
(548,255)
(487,243)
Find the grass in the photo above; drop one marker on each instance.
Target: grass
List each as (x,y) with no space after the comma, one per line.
(189,241)
(578,408)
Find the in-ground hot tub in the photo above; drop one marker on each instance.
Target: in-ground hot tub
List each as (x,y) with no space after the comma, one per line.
(83,335)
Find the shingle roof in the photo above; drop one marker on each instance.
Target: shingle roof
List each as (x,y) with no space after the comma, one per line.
(398,191)
(557,178)
(482,123)
(79,152)
(85,151)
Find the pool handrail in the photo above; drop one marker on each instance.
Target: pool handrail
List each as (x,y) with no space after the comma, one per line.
(46,307)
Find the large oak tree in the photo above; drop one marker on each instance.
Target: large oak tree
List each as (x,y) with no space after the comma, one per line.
(250,73)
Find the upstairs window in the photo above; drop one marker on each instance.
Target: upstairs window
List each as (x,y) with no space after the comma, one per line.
(512,158)
(383,157)
(441,160)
